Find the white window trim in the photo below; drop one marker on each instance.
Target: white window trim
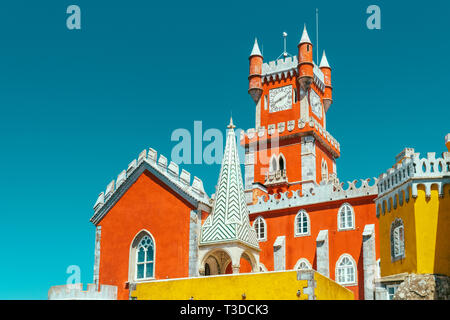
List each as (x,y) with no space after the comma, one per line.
(339,215)
(300,261)
(133,257)
(300,234)
(273,169)
(355,269)
(395,286)
(402,255)
(324,170)
(281,156)
(265,229)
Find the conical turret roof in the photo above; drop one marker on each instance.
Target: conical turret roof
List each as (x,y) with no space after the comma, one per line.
(229,219)
(305,37)
(324,61)
(256,51)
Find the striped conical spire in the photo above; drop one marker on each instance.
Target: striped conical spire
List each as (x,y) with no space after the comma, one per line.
(229,221)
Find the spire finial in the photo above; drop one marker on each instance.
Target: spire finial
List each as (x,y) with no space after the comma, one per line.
(231,125)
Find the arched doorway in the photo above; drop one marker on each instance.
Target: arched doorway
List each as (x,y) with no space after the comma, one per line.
(216,263)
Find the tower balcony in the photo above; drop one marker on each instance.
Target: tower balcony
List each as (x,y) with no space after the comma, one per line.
(276,177)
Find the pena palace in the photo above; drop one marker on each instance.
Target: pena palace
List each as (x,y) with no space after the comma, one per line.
(285,219)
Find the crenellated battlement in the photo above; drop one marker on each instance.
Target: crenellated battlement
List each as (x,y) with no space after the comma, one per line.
(318,194)
(168,171)
(287,67)
(409,173)
(290,126)
(75,292)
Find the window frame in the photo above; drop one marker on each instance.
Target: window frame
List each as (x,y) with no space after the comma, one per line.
(133,260)
(300,261)
(391,286)
(352,212)
(396,242)
(260,219)
(324,170)
(338,267)
(308,226)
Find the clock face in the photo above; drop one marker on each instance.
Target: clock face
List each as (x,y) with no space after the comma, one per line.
(316,104)
(280,99)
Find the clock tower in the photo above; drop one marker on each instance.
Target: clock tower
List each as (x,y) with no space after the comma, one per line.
(289,149)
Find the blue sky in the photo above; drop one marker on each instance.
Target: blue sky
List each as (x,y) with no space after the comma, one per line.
(77,106)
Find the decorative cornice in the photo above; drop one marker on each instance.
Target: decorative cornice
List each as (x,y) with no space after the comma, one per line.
(180,183)
(327,140)
(319,194)
(408,174)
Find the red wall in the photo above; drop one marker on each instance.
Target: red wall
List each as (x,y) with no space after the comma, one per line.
(322,217)
(148,204)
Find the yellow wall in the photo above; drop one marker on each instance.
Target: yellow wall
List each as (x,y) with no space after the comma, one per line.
(427,226)
(256,286)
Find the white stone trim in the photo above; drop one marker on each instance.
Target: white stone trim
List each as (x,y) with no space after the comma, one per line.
(261,218)
(353,217)
(299,261)
(302,234)
(355,269)
(132,265)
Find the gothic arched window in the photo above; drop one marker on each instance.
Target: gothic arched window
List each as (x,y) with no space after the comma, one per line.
(273,164)
(324,171)
(145,258)
(142,257)
(397,240)
(281,162)
(346,270)
(346,218)
(302,223)
(302,264)
(261,228)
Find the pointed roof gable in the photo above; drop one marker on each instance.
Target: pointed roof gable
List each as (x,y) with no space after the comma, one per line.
(229,221)
(324,61)
(256,51)
(169,174)
(305,37)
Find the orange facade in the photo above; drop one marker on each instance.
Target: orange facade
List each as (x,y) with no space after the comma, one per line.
(323,216)
(147,205)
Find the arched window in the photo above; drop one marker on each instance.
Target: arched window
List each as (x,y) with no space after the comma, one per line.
(260,227)
(397,240)
(145,258)
(281,162)
(324,171)
(302,264)
(142,257)
(273,164)
(302,223)
(346,217)
(346,270)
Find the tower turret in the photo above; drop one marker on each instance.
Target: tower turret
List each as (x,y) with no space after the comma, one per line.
(305,61)
(254,78)
(328,94)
